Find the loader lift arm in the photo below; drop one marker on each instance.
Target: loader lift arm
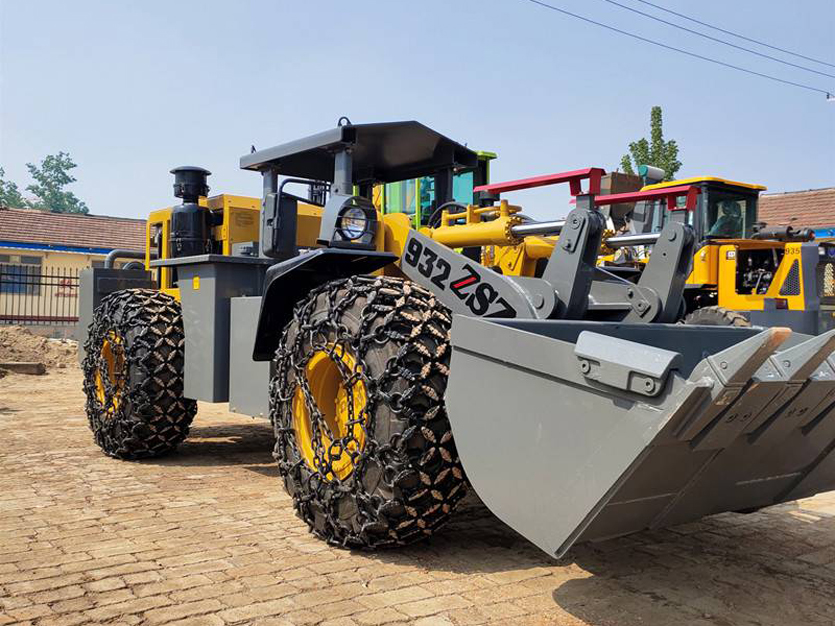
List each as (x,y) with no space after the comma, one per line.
(571,285)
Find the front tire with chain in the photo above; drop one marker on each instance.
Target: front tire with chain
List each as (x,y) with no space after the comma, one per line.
(716,316)
(133,375)
(371,462)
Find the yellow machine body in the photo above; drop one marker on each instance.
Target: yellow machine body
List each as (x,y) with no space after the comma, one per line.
(695,180)
(475,231)
(716,266)
(718,263)
(241,218)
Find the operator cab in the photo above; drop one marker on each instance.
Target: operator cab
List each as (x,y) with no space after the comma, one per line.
(725,209)
(417,198)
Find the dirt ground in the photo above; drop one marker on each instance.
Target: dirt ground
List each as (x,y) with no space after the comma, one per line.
(207,537)
(20,344)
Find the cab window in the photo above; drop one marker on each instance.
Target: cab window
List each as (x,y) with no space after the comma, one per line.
(724,215)
(462,190)
(462,187)
(400,197)
(418,195)
(661,215)
(427,194)
(729,216)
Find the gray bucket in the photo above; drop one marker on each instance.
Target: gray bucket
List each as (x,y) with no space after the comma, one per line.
(575,431)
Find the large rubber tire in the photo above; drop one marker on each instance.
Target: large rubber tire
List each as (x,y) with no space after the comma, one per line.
(406,478)
(135,403)
(716,316)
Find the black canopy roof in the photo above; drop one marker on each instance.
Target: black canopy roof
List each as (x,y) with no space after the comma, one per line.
(384,152)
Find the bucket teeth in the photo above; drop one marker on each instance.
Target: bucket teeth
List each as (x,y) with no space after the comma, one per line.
(738,364)
(731,371)
(799,362)
(806,368)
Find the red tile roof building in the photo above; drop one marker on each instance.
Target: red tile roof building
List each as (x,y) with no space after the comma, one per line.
(801,209)
(41,230)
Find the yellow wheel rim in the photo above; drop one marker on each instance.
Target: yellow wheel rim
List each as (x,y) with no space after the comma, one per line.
(112,356)
(332,396)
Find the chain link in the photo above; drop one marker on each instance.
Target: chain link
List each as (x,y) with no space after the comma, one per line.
(142,412)
(404,486)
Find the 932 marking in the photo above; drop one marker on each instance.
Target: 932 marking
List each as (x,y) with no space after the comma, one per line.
(478,296)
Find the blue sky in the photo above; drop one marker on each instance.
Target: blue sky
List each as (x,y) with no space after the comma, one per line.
(132,89)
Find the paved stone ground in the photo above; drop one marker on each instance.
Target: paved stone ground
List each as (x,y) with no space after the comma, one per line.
(207,537)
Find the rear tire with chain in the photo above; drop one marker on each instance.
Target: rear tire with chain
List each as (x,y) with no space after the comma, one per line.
(363,442)
(716,316)
(133,375)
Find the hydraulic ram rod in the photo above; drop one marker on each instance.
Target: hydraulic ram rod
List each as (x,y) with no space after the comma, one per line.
(537,228)
(553,228)
(621,241)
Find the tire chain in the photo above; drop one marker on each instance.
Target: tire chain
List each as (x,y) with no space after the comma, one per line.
(151,417)
(420,475)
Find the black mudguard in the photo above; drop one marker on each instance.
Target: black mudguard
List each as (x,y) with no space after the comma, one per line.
(288,282)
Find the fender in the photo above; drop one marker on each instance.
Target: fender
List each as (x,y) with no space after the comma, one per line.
(288,282)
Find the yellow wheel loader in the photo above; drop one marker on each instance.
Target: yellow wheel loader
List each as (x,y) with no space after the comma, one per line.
(397,372)
(746,272)
(743,272)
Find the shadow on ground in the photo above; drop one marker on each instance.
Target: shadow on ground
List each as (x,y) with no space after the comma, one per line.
(474,542)
(726,570)
(249,445)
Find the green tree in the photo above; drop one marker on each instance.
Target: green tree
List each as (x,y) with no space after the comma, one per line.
(9,193)
(50,179)
(656,151)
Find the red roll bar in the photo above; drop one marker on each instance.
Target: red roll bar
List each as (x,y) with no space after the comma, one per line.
(593,174)
(668,193)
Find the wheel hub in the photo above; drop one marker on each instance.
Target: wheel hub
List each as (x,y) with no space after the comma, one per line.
(339,398)
(109,373)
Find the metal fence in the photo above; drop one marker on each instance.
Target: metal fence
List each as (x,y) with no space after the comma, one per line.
(30,294)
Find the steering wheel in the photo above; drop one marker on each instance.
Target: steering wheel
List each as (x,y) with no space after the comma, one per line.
(435,219)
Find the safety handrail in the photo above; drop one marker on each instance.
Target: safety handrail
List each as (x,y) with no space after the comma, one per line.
(574,178)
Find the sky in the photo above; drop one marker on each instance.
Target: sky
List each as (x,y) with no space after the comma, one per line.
(133,88)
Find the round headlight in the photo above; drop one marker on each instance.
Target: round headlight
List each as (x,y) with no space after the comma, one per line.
(353,223)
